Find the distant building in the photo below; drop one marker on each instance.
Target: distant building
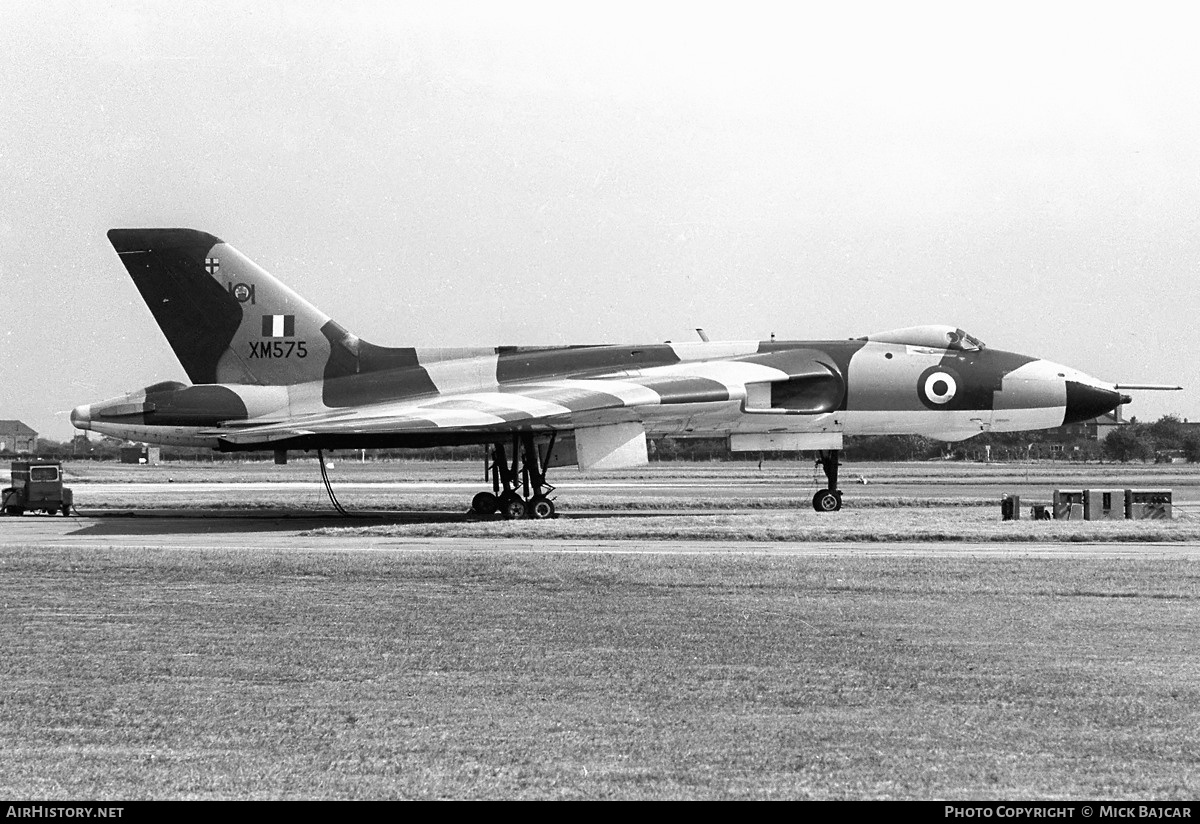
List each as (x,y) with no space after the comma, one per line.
(139,453)
(1096,429)
(16,437)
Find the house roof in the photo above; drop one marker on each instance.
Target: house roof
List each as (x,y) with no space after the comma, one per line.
(16,428)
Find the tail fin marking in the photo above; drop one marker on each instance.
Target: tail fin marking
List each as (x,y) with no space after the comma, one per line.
(227,319)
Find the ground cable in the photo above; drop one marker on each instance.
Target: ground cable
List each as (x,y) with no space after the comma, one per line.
(328,486)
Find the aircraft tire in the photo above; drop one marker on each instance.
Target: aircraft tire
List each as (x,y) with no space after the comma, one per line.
(485,503)
(541,508)
(513,508)
(827,500)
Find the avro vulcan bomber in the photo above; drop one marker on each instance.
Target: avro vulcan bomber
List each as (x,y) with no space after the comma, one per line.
(269,370)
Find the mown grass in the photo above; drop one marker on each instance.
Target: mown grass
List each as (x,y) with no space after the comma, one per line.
(877,525)
(259,674)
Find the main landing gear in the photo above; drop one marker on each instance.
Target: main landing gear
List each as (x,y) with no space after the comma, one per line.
(519,488)
(829,499)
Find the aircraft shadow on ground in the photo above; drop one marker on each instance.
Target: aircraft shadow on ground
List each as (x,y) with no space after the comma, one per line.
(135,522)
(199,522)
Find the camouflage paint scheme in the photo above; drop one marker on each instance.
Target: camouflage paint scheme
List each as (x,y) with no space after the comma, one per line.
(269,370)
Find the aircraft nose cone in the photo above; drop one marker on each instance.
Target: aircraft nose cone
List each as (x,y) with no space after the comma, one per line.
(81,417)
(1085,402)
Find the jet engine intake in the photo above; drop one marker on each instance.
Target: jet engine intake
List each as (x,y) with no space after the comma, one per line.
(806,395)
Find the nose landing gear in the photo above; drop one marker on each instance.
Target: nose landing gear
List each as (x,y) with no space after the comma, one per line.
(829,499)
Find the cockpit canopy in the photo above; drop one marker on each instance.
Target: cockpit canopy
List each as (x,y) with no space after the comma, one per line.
(934,337)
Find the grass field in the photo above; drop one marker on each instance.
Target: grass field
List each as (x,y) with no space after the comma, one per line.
(926,524)
(241,674)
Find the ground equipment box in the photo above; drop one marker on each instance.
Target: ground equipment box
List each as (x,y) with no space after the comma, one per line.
(1010,508)
(1068,504)
(1147,503)
(1103,504)
(38,486)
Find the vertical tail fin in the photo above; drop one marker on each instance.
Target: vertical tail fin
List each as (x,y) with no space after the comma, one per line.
(227,319)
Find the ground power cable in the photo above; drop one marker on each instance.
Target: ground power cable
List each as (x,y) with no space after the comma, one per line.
(328,486)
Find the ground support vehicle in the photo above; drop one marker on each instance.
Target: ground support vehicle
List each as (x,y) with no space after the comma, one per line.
(37,486)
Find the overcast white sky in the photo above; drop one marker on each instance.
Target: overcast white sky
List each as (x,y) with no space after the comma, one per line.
(443,174)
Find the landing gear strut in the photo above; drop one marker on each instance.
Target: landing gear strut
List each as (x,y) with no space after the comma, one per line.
(829,499)
(519,487)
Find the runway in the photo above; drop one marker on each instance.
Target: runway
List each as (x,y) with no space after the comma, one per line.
(294,532)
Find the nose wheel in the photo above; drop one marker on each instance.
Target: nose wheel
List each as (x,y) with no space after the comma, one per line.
(827,500)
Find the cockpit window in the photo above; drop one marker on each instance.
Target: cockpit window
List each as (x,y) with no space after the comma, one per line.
(933,337)
(958,339)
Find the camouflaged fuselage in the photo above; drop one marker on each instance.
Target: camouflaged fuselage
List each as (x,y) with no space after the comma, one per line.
(270,370)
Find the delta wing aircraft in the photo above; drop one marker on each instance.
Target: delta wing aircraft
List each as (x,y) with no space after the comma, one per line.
(271,371)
